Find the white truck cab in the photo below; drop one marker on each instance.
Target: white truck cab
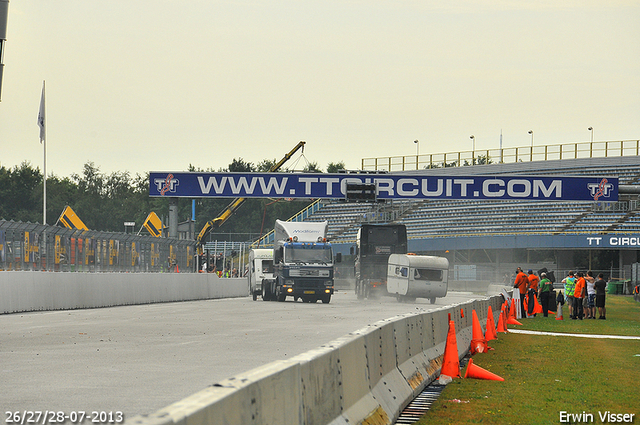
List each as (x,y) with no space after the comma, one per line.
(260,267)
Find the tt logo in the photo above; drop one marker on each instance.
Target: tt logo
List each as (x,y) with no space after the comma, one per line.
(168,184)
(600,189)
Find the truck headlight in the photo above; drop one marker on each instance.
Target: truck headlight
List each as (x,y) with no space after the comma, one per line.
(328,283)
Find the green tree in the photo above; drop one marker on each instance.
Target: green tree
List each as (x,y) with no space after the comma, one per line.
(335,167)
(240,166)
(312,167)
(265,165)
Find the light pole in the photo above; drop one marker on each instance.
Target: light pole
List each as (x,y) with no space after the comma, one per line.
(531,133)
(591,130)
(417,147)
(473,152)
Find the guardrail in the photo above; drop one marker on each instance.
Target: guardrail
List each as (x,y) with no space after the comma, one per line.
(368,376)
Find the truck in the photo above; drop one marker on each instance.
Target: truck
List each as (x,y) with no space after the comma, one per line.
(374,245)
(411,276)
(260,268)
(302,263)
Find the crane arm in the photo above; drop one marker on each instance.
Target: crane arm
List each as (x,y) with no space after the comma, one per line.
(237,203)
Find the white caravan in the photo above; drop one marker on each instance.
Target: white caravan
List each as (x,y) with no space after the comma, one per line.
(412,276)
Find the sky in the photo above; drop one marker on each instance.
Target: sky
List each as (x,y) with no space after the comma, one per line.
(145,85)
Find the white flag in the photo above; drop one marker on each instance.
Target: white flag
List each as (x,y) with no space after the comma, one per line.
(41,117)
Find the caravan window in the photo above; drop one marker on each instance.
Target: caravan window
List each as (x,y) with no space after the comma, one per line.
(428,274)
(402,271)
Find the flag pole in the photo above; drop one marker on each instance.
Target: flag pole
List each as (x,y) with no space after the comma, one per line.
(43,140)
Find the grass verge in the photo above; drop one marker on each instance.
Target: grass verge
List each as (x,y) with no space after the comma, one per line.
(547,375)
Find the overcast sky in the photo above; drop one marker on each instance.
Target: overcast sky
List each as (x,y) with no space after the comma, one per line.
(142,85)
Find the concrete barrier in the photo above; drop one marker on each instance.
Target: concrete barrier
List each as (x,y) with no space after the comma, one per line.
(37,291)
(368,376)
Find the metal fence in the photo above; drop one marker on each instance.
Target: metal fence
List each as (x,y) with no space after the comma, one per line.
(33,246)
(506,155)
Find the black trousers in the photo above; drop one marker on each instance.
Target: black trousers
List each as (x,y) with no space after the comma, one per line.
(577,308)
(544,300)
(532,303)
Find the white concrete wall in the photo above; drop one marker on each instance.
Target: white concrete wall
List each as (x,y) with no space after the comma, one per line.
(34,291)
(367,376)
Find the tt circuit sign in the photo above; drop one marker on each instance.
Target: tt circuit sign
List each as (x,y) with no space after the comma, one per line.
(387,186)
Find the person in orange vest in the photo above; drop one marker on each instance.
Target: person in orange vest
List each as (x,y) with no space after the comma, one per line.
(533,289)
(578,293)
(521,282)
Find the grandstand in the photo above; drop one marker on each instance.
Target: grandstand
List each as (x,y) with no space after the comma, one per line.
(446,218)
(497,227)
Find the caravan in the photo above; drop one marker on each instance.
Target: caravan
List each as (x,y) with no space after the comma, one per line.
(412,276)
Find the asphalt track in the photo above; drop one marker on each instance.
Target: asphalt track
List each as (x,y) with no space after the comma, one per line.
(138,359)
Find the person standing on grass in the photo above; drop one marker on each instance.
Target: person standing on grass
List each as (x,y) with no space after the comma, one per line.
(522,283)
(578,294)
(533,289)
(544,293)
(601,287)
(591,296)
(569,286)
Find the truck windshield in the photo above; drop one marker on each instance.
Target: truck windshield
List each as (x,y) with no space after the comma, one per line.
(267,266)
(306,255)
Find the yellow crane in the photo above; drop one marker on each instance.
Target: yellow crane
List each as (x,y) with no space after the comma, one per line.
(236,203)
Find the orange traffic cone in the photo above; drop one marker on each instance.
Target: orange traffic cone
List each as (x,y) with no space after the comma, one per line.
(559,314)
(490,331)
(512,314)
(502,327)
(477,372)
(537,308)
(451,363)
(478,343)
(462,313)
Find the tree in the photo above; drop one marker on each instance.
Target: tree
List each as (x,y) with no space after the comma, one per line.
(265,165)
(240,166)
(312,167)
(335,167)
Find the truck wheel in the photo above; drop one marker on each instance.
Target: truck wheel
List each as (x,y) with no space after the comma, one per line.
(280,296)
(265,293)
(326,299)
(433,300)
(255,295)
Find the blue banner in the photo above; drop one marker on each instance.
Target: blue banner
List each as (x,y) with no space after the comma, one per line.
(388,186)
